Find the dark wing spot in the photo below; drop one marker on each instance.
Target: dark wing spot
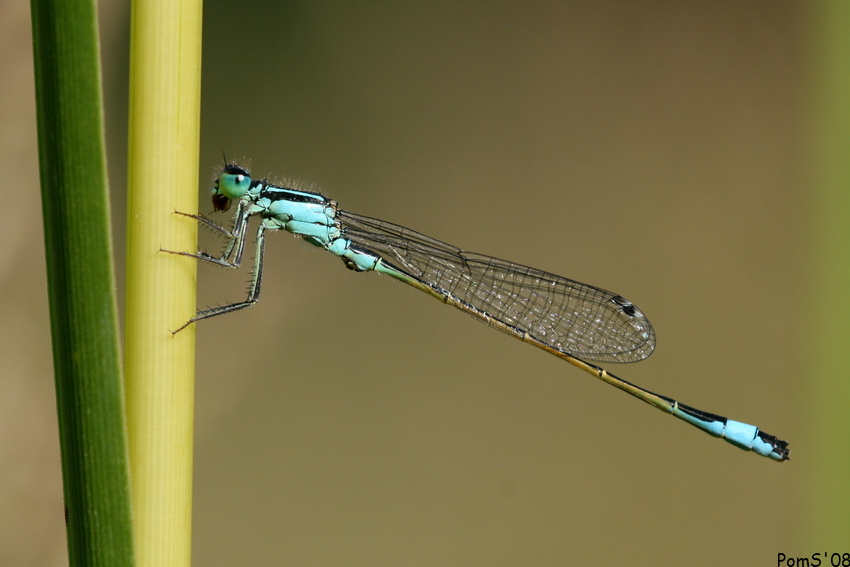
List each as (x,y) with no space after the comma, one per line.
(626,306)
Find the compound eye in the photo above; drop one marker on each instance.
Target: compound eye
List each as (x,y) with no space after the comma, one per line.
(233,183)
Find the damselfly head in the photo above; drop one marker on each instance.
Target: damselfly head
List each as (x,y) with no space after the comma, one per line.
(232,183)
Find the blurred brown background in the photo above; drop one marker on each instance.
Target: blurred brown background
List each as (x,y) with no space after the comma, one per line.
(658,150)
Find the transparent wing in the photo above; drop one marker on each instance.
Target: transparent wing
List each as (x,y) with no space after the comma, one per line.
(571,317)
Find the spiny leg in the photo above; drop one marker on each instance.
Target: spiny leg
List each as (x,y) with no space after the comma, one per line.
(253,291)
(235,239)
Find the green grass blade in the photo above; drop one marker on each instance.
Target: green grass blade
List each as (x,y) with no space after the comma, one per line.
(80,280)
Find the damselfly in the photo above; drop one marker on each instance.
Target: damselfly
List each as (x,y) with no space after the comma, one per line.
(572,320)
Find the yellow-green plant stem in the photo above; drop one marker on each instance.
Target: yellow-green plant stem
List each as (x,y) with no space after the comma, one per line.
(159,368)
(828,419)
(81,288)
